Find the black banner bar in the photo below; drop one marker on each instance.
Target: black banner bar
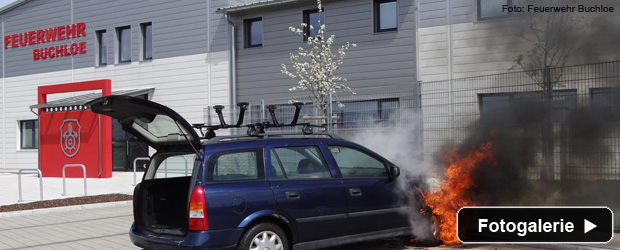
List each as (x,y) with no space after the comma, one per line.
(535,224)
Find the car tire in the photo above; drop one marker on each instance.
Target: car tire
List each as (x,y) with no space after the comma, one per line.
(264,236)
(433,239)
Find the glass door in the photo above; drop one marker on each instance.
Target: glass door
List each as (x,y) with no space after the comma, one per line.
(125,149)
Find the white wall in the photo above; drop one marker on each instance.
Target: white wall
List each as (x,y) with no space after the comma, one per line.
(186,84)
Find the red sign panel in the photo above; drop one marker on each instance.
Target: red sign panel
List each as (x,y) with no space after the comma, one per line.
(72,135)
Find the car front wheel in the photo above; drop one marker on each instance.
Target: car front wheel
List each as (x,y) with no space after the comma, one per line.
(264,236)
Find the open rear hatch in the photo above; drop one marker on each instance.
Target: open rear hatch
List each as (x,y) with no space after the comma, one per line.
(161,200)
(159,126)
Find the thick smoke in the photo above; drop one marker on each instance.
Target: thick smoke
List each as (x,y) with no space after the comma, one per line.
(518,134)
(582,136)
(399,141)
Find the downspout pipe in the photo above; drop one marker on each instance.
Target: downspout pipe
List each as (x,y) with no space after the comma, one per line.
(232,61)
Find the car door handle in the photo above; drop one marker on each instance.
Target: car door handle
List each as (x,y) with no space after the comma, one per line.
(355,192)
(292,195)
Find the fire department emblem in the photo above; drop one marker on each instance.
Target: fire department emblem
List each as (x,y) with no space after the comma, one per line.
(70,137)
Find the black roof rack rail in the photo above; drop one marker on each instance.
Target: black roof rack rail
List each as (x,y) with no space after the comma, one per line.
(256,129)
(232,138)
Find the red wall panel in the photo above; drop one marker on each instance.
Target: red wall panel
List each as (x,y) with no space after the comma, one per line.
(75,136)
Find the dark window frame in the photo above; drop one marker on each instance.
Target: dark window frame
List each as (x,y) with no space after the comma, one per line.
(479,12)
(144,40)
(102,59)
(600,96)
(119,31)
(260,165)
(377,16)
(247,26)
(35,129)
(561,100)
(306,20)
(380,109)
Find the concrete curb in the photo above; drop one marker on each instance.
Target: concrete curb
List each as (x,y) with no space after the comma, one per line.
(65,208)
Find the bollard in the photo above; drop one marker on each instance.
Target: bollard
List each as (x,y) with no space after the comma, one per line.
(19,182)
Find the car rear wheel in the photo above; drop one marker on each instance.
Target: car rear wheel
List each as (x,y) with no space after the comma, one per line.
(264,236)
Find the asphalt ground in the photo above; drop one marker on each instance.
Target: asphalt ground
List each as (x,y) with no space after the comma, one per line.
(106,227)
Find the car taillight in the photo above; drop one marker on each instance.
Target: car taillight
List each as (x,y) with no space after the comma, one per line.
(198,210)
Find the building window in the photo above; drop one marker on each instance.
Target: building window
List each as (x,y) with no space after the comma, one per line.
(253,32)
(386,15)
(124,44)
(314,19)
(497,104)
(489,9)
(604,97)
(360,113)
(29,129)
(102,47)
(147,41)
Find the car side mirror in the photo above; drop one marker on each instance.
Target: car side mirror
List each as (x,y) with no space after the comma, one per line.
(394,171)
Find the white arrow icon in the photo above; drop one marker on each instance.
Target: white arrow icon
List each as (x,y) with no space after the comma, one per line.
(588,226)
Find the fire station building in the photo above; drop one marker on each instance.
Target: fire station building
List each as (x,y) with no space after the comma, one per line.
(188,55)
(191,54)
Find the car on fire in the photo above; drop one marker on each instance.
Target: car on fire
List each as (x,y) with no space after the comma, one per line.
(265,191)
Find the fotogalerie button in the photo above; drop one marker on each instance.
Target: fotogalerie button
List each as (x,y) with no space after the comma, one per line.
(535,225)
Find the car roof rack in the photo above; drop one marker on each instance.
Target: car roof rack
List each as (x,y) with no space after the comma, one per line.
(234,138)
(255,129)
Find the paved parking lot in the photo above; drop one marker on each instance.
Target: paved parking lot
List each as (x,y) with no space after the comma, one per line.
(97,228)
(107,227)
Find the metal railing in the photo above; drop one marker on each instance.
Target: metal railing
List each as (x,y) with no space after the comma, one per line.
(64,187)
(371,108)
(135,161)
(19,182)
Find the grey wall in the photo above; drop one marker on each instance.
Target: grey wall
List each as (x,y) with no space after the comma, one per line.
(380,58)
(434,12)
(179,28)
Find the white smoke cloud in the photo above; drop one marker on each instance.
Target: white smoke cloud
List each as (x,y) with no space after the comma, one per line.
(399,140)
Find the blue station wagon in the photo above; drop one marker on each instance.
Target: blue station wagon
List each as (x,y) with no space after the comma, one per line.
(268,192)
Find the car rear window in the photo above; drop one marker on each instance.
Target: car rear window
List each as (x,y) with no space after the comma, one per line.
(236,166)
(304,162)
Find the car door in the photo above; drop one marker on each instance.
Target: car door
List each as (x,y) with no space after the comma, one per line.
(374,202)
(304,187)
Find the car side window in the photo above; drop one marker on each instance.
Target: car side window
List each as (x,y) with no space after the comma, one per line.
(354,163)
(276,168)
(236,166)
(305,162)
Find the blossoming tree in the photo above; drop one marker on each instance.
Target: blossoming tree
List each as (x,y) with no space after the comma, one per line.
(314,67)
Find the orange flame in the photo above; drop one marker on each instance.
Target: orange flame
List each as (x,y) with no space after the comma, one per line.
(454,191)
